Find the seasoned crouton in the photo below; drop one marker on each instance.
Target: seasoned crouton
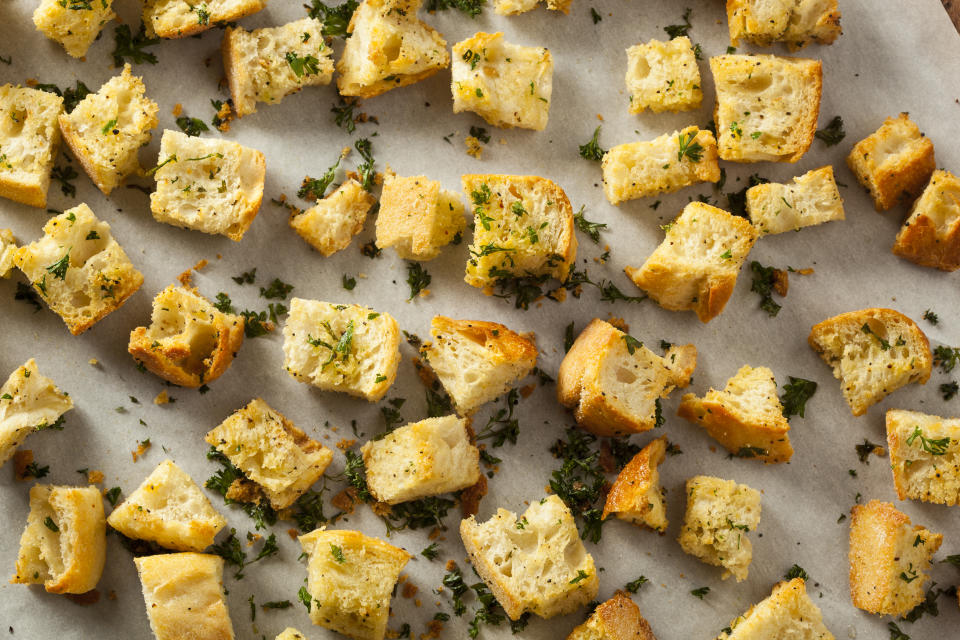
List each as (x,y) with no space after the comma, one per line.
(616,619)
(925,456)
(810,199)
(75,25)
(29,140)
(182,18)
(795,22)
(29,401)
(663,76)
(788,612)
(636,495)
(8,247)
(930,237)
(330,225)
(417,218)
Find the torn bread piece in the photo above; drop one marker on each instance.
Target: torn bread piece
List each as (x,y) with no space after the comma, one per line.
(616,619)
(925,456)
(29,401)
(290,634)
(75,25)
(182,18)
(930,237)
(807,200)
(788,612)
(636,495)
(516,7)
(794,22)
(29,140)
(331,224)
(663,76)
(8,248)
(416,217)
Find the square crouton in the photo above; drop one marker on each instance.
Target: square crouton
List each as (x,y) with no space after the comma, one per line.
(341,347)
(8,247)
(746,417)
(888,558)
(189,341)
(663,165)
(719,515)
(534,563)
(184,596)
(873,353)
(663,76)
(106,130)
(894,162)
(350,578)
(388,47)
(508,85)
(78,268)
(182,18)
(523,228)
(516,7)
(615,383)
(170,509)
(29,140)
(29,401)
(210,185)
(795,22)
(767,106)
(924,456)
(930,237)
(788,612)
(616,619)
(696,266)
(636,495)
(477,361)
(422,459)
(75,25)
(266,65)
(417,217)
(808,200)
(271,451)
(64,545)
(330,225)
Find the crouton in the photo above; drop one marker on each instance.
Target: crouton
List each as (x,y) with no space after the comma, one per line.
(930,237)
(290,634)
(788,612)
(417,217)
(75,25)
(330,225)
(29,140)
(616,619)
(516,7)
(663,76)
(795,22)
(29,401)
(8,247)
(925,456)
(810,199)
(182,18)
(636,495)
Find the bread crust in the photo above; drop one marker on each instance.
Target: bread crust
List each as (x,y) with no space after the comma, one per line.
(616,619)
(628,497)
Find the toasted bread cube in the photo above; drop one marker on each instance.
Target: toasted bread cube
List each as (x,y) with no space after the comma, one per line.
(8,247)
(341,347)
(290,634)
(615,384)
(696,266)
(746,417)
(182,18)
(106,130)
(508,85)
(663,76)
(719,515)
(894,162)
(184,596)
(888,559)
(616,619)
(170,509)
(271,451)
(350,577)
(29,401)
(477,361)
(388,47)
(788,612)
(78,268)
(417,217)
(523,228)
(266,65)
(873,353)
(930,237)
(795,22)
(330,225)
(808,200)
(534,563)
(65,542)
(664,165)
(29,140)
(767,106)
(75,25)
(422,459)
(636,495)
(925,456)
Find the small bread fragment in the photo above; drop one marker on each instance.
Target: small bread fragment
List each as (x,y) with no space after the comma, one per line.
(925,456)
(795,22)
(350,578)
(516,7)
(422,459)
(78,268)
(107,128)
(8,247)
(767,106)
(417,218)
(719,515)
(808,200)
(65,542)
(663,76)
(616,619)
(341,347)
(477,361)
(271,451)
(330,225)
(508,85)
(75,25)
(182,18)
(788,612)
(189,341)
(184,596)
(636,495)
(29,140)
(615,383)
(696,266)
(894,162)
(746,417)
(29,401)
(663,165)
(534,563)
(873,353)
(290,634)
(930,237)
(888,558)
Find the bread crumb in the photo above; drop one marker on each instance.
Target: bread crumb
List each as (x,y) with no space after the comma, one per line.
(781,282)
(451,565)
(112,595)
(225,115)
(162,398)
(186,278)
(293,533)
(93,362)
(474,148)
(409,590)
(344,500)
(619,323)
(142,447)
(417,603)
(177,110)
(21,460)
(95,477)
(527,390)
(200,264)
(600,117)
(345,444)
